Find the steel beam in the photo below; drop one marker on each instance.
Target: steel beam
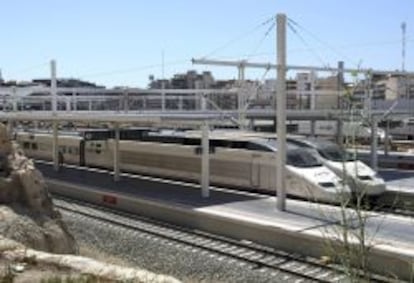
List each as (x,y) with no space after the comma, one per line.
(205,162)
(281,113)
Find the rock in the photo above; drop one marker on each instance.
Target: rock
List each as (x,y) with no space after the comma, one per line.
(29,216)
(15,252)
(36,230)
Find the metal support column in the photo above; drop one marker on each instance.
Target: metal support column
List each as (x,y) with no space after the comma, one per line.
(203,104)
(144,103)
(162,96)
(53,93)
(55,147)
(53,85)
(281,113)
(75,103)
(312,103)
(68,104)
(205,162)
(116,153)
(14,90)
(241,101)
(312,127)
(125,100)
(339,122)
(387,138)
(374,144)
(180,102)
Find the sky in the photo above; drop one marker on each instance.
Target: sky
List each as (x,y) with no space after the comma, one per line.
(121,43)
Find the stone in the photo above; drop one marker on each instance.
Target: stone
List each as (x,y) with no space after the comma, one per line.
(22,256)
(27,210)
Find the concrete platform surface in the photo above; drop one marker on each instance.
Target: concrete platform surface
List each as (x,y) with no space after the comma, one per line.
(299,215)
(304,226)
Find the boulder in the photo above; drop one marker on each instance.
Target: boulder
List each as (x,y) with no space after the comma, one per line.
(26,208)
(28,259)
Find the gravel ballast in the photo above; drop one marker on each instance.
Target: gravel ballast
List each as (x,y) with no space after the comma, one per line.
(162,256)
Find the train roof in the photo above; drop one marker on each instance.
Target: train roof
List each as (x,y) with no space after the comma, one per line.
(310,142)
(96,134)
(230,135)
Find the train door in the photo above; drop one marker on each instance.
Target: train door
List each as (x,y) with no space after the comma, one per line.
(255,172)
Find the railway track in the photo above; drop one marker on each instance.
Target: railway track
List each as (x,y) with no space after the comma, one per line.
(254,256)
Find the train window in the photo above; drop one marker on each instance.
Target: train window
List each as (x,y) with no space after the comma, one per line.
(26,145)
(98,145)
(335,153)
(220,143)
(239,144)
(34,146)
(69,150)
(191,141)
(98,151)
(302,158)
(177,140)
(257,147)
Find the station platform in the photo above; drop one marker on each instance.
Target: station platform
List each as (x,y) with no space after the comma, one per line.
(305,228)
(398,179)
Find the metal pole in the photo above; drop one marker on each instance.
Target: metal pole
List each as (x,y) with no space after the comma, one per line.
(53,93)
(75,103)
(116,153)
(203,102)
(374,126)
(55,146)
(313,94)
(374,144)
(312,127)
(162,83)
(68,104)
(281,113)
(240,96)
(53,85)
(339,122)
(387,137)
(180,102)
(205,162)
(162,96)
(14,90)
(126,100)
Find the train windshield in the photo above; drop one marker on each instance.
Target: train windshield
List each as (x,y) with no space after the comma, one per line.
(302,158)
(335,153)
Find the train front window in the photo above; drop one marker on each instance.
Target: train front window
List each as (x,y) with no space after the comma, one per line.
(302,158)
(334,153)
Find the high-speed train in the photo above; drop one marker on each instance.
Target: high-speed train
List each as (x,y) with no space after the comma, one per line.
(237,159)
(361,178)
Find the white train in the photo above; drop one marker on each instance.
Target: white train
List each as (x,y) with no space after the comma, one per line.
(362,179)
(238,159)
(405,130)
(357,130)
